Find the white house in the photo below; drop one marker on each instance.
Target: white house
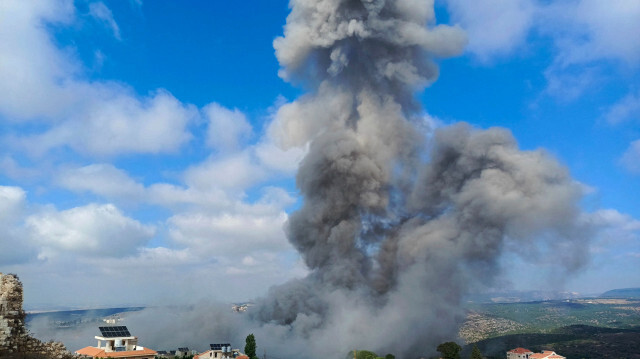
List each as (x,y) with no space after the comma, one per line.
(522,353)
(117,342)
(519,353)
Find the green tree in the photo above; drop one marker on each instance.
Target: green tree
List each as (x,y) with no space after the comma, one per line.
(250,347)
(449,350)
(365,354)
(389,356)
(476,353)
(362,354)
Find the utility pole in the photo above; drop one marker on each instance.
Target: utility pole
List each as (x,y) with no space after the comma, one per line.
(265,354)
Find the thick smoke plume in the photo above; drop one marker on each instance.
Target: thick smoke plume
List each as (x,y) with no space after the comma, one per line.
(394,229)
(396,232)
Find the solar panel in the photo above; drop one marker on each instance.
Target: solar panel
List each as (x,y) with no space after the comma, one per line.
(114,332)
(223,347)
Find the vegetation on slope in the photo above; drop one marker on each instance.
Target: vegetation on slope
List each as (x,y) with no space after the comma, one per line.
(573,342)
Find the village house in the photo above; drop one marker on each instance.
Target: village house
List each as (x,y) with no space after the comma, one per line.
(519,353)
(220,351)
(183,352)
(522,353)
(116,342)
(546,354)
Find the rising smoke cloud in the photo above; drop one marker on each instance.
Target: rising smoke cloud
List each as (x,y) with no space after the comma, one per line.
(394,229)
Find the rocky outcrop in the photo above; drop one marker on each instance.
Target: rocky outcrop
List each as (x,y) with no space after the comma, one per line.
(14,338)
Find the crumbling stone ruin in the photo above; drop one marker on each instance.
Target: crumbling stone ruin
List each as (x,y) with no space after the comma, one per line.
(15,341)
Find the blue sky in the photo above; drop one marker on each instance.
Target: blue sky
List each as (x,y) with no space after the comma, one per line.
(138,150)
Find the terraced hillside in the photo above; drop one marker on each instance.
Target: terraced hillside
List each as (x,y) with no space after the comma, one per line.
(497,319)
(573,342)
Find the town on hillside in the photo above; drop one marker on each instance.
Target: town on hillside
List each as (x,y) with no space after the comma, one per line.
(522,353)
(451,350)
(117,342)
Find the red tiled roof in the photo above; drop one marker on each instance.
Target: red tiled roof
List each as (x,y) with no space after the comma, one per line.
(546,354)
(202,354)
(520,351)
(90,351)
(100,353)
(242,357)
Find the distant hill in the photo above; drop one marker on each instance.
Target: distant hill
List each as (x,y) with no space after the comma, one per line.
(573,342)
(515,296)
(80,315)
(622,293)
(487,320)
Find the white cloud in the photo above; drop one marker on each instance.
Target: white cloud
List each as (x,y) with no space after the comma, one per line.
(12,169)
(495,27)
(174,196)
(103,179)
(242,241)
(599,30)
(235,172)
(228,129)
(247,241)
(275,196)
(14,249)
(102,13)
(112,122)
(12,202)
(617,239)
(98,230)
(611,218)
(569,84)
(233,234)
(114,184)
(42,83)
(631,158)
(585,33)
(34,73)
(616,233)
(627,109)
(212,185)
(584,30)
(242,230)
(208,226)
(277,159)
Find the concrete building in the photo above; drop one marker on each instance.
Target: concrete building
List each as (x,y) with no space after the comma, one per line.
(519,353)
(522,353)
(117,342)
(183,352)
(546,354)
(219,351)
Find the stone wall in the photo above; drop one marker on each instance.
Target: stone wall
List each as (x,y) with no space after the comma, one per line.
(14,338)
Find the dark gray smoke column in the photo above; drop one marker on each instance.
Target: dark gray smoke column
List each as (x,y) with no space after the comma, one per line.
(392,242)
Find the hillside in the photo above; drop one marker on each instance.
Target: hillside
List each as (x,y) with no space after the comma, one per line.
(573,342)
(622,293)
(74,318)
(486,321)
